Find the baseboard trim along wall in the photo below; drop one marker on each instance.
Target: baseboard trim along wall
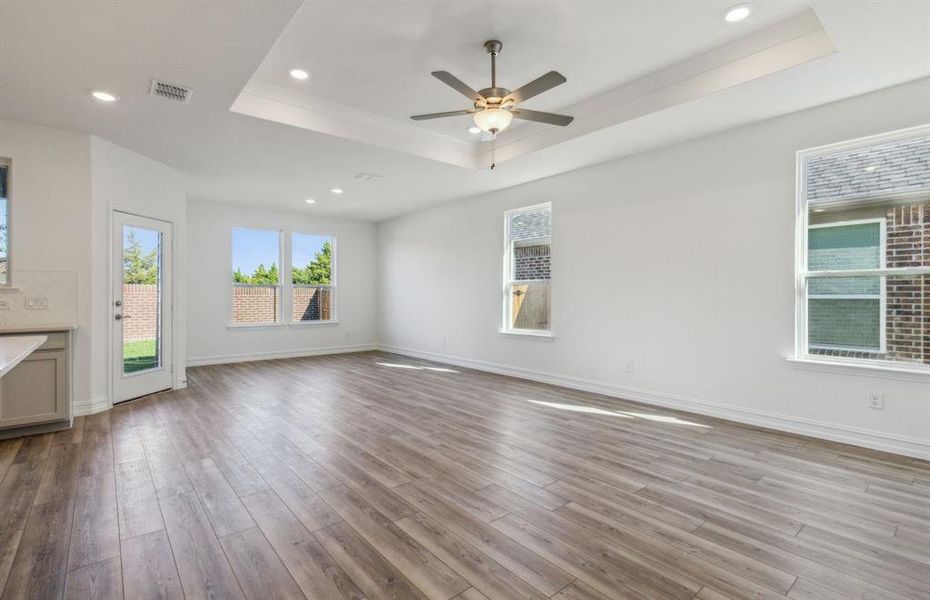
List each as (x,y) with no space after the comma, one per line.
(201,361)
(92,406)
(816,429)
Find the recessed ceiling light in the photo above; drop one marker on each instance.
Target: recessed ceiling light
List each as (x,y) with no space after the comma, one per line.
(299,74)
(474,129)
(819,210)
(336,190)
(309,200)
(871,168)
(104,96)
(737,13)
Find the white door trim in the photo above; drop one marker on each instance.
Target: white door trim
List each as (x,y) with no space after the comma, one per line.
(169,325)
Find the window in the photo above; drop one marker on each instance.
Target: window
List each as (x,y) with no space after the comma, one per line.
(4,222)
(312,277)
(527,269)
(256,291)
(864,251)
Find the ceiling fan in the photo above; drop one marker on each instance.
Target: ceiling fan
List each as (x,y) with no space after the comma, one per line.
(495,107)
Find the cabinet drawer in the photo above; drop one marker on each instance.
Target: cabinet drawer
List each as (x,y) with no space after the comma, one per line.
(55,341)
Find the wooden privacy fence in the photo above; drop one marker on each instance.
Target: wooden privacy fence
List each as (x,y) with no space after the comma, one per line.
(530,308)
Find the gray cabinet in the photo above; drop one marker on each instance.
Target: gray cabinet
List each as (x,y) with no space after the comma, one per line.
(38,390)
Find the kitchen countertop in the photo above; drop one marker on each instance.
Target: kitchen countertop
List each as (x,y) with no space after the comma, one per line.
(13,349)
(34,328)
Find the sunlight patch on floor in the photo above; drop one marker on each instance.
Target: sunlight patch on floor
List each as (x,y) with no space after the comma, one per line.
(592,410)
(416,367)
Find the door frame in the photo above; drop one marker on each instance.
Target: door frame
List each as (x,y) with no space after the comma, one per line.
(111,272)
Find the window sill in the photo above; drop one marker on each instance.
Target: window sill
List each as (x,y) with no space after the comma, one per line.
(545,335)
(254,325)
(277,325)
(850,367)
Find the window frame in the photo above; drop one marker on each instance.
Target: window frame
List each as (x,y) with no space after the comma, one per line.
(508,271)
(882,296)
(803,274)
(232,285)
(8,163)
(285,280)
(333,270)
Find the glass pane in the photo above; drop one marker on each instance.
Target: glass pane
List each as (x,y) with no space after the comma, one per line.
(4,223)
(255,255)
(141,310)
(311,259)
(529,305)
(835,247)
(531,225)
(311,303)
(892,325)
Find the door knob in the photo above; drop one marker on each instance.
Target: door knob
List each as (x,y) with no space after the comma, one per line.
(120,317)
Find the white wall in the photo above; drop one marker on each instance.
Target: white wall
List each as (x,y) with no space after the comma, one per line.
(679,259)
(51,221)
(130,182)
(210,340)
(64,185)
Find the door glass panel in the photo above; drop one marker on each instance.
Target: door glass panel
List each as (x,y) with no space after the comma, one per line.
(141,309)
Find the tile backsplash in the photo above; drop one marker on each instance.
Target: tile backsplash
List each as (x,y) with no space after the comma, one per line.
(39,298)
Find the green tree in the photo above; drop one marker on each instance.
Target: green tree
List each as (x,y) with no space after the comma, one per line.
(139,266)
(319,270)
(261,276)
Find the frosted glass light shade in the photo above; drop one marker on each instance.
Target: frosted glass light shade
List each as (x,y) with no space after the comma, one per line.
(493,120)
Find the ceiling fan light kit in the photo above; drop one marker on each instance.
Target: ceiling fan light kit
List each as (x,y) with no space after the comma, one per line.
(495,107)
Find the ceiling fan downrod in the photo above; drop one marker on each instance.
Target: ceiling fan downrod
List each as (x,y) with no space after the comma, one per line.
(494,48)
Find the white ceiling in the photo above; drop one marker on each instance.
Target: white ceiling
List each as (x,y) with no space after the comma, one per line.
(372,61)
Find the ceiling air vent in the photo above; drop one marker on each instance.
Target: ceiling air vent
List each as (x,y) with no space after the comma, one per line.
(170,91)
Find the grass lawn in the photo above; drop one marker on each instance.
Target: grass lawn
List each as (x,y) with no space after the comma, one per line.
(139,355)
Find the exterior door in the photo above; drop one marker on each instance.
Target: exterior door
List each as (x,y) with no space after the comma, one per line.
(141,310)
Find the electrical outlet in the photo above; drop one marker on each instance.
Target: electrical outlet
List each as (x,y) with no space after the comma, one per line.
(629,366)
(36,303)
(876,400)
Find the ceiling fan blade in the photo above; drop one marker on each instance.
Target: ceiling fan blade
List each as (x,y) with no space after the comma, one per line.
(537,86)
(451,113)
(457,84)
(542,117)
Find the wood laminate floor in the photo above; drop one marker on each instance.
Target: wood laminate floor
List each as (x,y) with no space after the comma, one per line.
(376,476)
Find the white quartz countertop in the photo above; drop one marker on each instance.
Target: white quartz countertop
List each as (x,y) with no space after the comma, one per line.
(15,348)
(35,328)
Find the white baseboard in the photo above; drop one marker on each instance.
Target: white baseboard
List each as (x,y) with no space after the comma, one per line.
(837,433)
(92,406)
(200,361)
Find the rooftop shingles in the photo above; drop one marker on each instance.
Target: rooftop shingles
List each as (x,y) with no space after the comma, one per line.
(899,166)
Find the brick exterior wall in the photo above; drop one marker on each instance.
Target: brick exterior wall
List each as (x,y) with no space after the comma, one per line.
(256,304)
(260,304)
(311,304)
(140,305)
(531,262)
(908,298)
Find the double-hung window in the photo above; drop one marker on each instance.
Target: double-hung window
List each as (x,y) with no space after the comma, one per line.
(312,278)
(527,270)
(256,276)
(863,285)
(263,293)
